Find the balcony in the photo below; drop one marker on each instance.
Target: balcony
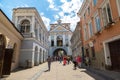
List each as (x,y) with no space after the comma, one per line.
(27,35)
(110,24)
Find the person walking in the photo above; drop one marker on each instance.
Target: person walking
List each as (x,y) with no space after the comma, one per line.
(79,60)
(75,63)
(60,59)
(64,60)
(49,62)
(68,59)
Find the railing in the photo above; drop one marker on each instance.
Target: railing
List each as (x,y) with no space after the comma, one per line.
(27,35)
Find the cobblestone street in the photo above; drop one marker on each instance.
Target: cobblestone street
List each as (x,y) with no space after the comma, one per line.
(58,72)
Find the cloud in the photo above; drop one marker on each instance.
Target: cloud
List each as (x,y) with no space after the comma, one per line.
(72,20)
(56,17)
(46,21)
(61,14)
(52,5)
(71,8)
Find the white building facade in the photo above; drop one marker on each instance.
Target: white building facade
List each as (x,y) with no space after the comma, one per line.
(59,39)
(34,47)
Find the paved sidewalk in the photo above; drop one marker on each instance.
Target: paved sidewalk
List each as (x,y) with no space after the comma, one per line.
(108,75)
(28,74)
(60,72)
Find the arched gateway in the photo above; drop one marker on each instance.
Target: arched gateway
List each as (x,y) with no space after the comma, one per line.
(59,38)
(59,52)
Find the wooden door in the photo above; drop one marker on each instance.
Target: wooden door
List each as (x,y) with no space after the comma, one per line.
(2,51)
(7,62)
(115,54)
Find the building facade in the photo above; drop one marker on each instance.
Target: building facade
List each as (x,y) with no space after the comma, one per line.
(101,32)
(10,43)
(59,39)
(76,43)
(34,47)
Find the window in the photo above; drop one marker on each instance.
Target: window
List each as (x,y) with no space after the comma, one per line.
(66,41)
(90,29)
(93,51)
(88,10)
(85,33)
(118,5)
(95,2)
(97,23)
(84,16)
(59,40)
(25,26)
(36,32)
(106,12)
(52,40)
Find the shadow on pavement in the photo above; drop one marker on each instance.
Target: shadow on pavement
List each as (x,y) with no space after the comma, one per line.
(19,69)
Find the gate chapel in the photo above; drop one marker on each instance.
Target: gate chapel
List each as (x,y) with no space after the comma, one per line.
(59,38)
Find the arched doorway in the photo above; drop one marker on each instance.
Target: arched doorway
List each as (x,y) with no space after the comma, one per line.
(2,52)
(40,56)
(59,52)
(36,56)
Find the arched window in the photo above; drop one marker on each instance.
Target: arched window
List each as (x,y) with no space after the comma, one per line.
(59,40)
(25,26)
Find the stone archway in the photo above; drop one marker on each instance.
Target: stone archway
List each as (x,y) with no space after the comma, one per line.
(59,52)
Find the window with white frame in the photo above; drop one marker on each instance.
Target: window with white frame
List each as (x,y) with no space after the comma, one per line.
(90,29)
(106,14)
(97,23)
(25,26)
(118,5)
(88,10)
(85,33)
(84,16)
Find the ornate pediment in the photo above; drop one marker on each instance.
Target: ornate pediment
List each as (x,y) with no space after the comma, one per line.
(59,28)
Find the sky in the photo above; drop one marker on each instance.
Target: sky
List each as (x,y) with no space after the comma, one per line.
(49,10)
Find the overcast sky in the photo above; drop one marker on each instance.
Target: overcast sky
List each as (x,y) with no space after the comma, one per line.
(50,10)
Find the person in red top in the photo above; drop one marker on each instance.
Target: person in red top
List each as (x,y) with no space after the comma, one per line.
(79,60)
(64,60)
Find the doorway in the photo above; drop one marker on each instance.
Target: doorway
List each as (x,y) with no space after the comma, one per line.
(59,52)
(2,51)
(114,48)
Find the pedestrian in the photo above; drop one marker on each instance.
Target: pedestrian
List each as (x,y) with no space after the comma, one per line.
(87,61)
(68,59)
(79,60)
(60,59)
(49,62)
(75,63)
(64,60)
